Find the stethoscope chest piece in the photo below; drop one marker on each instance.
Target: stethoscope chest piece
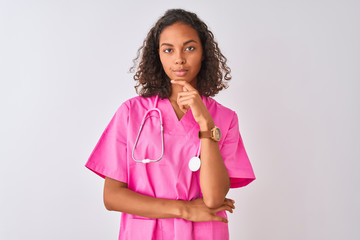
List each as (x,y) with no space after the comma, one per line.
(194,164)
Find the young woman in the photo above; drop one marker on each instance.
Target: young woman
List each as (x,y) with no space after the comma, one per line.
(170,155)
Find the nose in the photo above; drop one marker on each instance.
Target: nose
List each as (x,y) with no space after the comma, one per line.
(180,59)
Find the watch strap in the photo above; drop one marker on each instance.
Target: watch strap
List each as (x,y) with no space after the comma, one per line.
(205,134)
(213,134)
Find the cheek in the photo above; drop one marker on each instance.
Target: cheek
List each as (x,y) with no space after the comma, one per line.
(161,60)
(164,62)
(165,66)
(197,61)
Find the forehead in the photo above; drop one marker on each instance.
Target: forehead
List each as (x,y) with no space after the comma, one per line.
(178,33)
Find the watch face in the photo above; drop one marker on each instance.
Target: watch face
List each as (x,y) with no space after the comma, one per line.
(217,134)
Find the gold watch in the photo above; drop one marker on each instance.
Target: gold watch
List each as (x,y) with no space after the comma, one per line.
(214,134)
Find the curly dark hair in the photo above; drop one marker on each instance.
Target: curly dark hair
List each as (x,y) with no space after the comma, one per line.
(150,75)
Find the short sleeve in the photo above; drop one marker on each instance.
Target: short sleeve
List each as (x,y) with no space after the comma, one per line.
(109,155)
(235,157)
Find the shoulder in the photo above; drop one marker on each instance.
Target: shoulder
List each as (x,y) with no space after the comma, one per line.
(215,108)
(138,100)
(136,103)
(224,118)
(132,110)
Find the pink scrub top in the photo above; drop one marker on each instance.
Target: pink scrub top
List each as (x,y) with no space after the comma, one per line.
(169,178)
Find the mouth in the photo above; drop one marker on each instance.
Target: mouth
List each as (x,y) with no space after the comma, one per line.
(180,73)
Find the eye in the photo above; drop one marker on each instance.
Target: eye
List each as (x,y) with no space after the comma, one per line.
(190,48)
(167,50)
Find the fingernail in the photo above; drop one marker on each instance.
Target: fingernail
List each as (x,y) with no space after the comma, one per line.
(172,81)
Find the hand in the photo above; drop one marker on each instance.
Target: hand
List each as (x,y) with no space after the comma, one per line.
(190,97)
(197,211)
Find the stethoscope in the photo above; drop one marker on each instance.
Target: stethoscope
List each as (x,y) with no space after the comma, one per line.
(194,163)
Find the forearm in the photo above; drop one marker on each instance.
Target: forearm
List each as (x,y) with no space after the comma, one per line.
(117,197)
(214,178)
(125,200)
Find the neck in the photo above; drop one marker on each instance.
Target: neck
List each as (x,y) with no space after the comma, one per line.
(174,92)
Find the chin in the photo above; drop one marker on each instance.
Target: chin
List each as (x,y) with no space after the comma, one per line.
(186,79)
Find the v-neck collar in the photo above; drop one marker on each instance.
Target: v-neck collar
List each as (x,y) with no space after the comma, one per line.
(175,126)
(174,112)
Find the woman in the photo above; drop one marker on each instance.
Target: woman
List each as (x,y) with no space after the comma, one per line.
(173,184)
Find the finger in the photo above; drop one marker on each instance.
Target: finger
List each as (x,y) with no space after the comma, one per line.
(185,98)
(183,107)
(219,219)
(186,102)
(229,202)
(229,199)
(184,84)
(182,101)
(222,208)
(187,93)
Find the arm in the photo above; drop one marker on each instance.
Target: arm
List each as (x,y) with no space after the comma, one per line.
(117,197)
(214,178)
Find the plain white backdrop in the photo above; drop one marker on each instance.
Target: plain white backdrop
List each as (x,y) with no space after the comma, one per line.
(295,87)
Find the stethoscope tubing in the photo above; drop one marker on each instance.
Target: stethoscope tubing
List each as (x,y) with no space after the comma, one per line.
(147,160)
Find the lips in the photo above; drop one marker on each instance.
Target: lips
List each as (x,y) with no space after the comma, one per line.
(180,73)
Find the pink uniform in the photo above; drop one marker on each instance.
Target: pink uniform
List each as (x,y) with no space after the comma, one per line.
(169,178)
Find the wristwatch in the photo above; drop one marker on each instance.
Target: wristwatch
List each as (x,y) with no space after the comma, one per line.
(214,134)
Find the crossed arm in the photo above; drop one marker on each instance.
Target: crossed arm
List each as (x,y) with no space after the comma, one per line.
(117,197)
(214,178)
(214,183)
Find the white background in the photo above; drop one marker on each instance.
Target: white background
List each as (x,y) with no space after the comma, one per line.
(296,71)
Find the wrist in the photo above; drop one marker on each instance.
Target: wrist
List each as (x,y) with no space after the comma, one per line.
(181,209)
(206,125)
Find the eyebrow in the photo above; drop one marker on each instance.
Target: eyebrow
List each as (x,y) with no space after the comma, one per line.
(168,44)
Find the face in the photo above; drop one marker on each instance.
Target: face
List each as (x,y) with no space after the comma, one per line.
(180,52)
